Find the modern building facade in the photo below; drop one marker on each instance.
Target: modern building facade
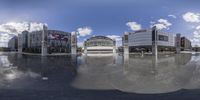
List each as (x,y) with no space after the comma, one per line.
(143,40)
(185,44)
(46,42)
(12,44)
(99,44)
(196,48)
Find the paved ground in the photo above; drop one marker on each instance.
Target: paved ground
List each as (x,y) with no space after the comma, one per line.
(94,95)
(24,77)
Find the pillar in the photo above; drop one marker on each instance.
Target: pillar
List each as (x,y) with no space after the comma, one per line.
(125,44)
(154,41)
(19,43)
(73,42)
(85,47)
(114,46)
(44,40)
(154,64)
(178,43)
(125,63)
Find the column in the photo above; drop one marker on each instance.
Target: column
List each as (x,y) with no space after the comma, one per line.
(154,41)
(114,46)
(85,47)
(126,52)
(73,43)
(19,43)
(44,40)
(125,44)
(125,63)
(178,43)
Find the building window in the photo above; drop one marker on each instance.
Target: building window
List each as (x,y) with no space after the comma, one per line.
(163,38)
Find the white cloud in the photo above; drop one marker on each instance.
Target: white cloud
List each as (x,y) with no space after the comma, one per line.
(162,24)
(80,44)
(84,31)
(18,27)
(134,26)
(191,17)
(4,37)
(8,30)
(198,27)
(197,32)
(116,37)
(165,22)
(196,37)
(152,22)
(195,40)
(36,26)
(172,16)
(13,28)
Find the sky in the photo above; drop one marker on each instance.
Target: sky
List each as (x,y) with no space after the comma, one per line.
(100,17)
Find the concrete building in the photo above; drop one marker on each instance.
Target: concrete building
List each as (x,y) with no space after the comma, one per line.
(185,44)
(196,48)
(12,43)
(45,41)
(99,44)
(143,40)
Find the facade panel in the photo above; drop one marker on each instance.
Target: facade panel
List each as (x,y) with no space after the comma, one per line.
(144,40)
(56,41)
(99,43)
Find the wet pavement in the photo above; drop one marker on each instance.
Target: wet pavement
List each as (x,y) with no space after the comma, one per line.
(108,77)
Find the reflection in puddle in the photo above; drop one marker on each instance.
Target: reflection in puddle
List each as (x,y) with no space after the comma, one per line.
(128,73)
(137,74)
(34,72)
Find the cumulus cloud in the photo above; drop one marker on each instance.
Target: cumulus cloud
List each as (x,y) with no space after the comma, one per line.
(165,22)
(152,22)
(172,16)
(36,26)
(18,27)
(191,17)
(162,24)
(117,38)
(198,27)
(10,29)
(134,26)
(80,44)
(196,37)
(84,31)
(5,37)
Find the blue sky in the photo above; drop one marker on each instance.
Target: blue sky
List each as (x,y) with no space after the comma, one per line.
(106,17)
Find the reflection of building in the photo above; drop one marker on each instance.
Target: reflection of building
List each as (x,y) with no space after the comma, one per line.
(12,44)
(99,44)
(196,48)
(57,41)
(142,39)
(185,44)
(139,75)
